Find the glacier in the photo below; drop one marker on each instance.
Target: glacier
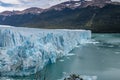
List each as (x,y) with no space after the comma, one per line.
(25,51)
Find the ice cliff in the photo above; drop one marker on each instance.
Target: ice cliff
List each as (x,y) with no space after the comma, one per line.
(25,51)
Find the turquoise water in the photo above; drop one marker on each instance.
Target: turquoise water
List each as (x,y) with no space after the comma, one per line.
(100,58)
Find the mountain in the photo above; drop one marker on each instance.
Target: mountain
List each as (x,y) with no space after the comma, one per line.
(96,16)
(32,10)
(98,3)
(68,4)
(81,4)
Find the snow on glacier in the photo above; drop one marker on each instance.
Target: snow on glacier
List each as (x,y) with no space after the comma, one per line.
(24,51)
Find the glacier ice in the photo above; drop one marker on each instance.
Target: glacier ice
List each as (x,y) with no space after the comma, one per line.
(24,51)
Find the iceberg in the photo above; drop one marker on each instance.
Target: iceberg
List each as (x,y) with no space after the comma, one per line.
(25,51)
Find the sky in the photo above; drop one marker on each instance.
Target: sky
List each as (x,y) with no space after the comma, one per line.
(23,4)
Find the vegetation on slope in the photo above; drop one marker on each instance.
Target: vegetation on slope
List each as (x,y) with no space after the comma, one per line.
(106,19)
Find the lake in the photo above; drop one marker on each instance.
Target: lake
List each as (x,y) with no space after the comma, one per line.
(100,58)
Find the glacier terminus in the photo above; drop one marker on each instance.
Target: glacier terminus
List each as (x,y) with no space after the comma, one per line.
(25,51)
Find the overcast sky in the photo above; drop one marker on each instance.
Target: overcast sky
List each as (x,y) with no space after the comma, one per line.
(23,4)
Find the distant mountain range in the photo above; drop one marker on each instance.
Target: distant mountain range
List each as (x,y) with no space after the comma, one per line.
(69,4)
(96,15)
(32,10)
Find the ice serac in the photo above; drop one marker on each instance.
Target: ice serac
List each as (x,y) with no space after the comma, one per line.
(25,51)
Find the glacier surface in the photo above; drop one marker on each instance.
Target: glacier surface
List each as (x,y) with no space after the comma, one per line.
(25,51)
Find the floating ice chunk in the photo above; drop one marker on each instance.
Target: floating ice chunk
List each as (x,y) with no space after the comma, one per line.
(70,54)
(89,77)
(61,60)
(117,52)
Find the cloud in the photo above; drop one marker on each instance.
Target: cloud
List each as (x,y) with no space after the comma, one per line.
(23,4)
(6,4)
(116,0)
(40,3)
(11,1)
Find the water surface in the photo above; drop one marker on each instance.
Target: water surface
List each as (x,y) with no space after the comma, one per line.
(100,59)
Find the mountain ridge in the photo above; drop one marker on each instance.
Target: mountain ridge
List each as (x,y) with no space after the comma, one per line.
(68,4)
(95,18)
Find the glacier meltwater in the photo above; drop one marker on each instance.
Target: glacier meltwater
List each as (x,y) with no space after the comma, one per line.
(25,51)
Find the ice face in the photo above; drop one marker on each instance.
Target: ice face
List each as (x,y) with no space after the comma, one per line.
(25,51)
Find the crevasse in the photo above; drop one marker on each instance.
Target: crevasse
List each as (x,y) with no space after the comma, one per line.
(25,51)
